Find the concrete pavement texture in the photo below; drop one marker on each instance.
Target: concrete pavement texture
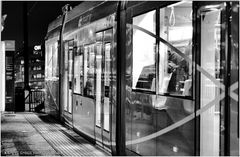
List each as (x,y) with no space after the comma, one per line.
(20,138)
(30,134)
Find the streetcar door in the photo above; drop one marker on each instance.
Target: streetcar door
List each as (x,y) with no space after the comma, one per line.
(212,67)
(68,80)
(70,75)
(103,88)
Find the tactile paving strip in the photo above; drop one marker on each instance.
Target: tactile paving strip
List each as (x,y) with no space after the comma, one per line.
(63,140)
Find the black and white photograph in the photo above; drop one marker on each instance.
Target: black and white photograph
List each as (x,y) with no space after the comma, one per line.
(119,78)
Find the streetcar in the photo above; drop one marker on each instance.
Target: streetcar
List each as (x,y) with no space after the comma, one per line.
(147,78)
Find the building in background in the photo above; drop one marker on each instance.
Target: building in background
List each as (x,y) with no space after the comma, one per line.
(2,76)
(9,75)
(36,68)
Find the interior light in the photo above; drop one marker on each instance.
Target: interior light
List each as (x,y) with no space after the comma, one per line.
(211,8)
(179,3)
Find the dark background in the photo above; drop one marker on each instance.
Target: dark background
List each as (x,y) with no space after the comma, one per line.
(40,14)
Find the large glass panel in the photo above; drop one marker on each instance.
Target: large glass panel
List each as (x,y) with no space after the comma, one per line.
(211,59)
(234,83)
(70,77)
(46,61)
(175,78)
(143,121)
(144,51)
(65,77)
(70,65)
(55,59)
(89,61)
(49,62)
(175,69)
(98,83)
(78,71)
(178,140)
(107,73)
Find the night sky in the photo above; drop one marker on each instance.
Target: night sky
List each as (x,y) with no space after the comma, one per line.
(40,14)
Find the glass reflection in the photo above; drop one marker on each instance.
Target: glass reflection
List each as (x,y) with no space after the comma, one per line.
(78,71)
(143,52)
(55,60)
(70,76)
(151,115)
(98,83)
(210,61)
(89,61)
(107,72)
(175,71)
(234,102)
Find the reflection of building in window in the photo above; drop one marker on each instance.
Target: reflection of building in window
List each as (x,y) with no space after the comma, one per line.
(51,61)
(89,62)
(78,70)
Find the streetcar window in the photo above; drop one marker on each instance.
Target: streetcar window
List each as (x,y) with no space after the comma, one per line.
(78,71)
(144,51)
(70,65)
(89,61)
(46,61)
(55,59)
(107,68)
(49,61)
(175,52)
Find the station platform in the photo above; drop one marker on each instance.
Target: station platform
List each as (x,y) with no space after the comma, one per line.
(37,134)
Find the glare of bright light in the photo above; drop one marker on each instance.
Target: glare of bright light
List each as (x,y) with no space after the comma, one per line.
(180,33)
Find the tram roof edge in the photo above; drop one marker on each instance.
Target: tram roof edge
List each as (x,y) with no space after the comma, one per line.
(76,11)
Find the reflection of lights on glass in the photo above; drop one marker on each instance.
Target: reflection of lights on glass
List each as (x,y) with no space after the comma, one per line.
(190,15)
(211,8)
(90,33)
(178,3)
(98,57)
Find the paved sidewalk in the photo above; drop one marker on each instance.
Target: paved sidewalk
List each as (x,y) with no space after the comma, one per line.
(30,134)
(19,138)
